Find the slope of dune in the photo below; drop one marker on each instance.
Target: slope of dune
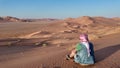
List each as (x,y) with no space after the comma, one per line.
(107,51)
(44,44)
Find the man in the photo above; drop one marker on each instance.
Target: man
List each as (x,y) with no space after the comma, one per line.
(84,52)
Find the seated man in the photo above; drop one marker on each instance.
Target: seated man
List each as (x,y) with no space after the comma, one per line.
(83,53)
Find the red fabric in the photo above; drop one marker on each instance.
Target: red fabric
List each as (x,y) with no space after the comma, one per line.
(83,37)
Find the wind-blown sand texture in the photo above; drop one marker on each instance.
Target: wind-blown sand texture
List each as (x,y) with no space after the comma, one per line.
(29,55)
(44,44)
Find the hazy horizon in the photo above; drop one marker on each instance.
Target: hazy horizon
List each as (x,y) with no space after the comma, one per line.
(59,8)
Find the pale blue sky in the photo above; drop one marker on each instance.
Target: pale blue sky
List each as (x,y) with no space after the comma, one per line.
(59,8)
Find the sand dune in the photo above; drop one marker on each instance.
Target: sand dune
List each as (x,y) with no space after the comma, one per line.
(44,45)
(107,51)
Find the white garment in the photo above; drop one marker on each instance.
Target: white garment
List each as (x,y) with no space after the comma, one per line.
(87,46)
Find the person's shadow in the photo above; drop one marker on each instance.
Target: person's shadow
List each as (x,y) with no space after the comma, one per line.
(103,53)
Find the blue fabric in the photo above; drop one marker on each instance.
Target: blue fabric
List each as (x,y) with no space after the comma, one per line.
(82,55)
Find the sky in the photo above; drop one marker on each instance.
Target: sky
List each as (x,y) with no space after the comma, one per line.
(59,8)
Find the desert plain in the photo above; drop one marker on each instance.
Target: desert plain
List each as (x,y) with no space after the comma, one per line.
(44,43)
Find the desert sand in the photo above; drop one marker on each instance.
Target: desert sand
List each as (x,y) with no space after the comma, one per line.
(45,45)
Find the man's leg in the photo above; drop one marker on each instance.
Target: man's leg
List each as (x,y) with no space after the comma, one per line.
(71,55)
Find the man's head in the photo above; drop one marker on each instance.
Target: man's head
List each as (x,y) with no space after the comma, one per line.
(83,38)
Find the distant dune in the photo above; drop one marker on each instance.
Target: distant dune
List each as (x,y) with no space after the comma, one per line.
(96,27)
(86,20)
(14,19)
(11,19)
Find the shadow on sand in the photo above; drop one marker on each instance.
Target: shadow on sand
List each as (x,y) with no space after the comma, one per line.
(103,53)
